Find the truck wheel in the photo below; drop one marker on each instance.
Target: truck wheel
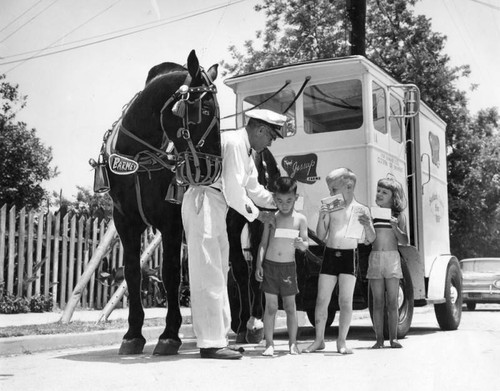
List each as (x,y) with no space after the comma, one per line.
(329,319)
(449,313)
(471,306)
(405,304)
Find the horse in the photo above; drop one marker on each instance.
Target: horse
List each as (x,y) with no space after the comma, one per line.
(167,138)
(246,300)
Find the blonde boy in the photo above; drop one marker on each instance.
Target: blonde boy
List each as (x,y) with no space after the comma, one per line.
(339,262)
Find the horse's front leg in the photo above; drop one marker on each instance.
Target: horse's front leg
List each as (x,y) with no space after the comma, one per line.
(130,235)
(169,341)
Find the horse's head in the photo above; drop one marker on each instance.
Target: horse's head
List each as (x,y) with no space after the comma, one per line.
(190,119)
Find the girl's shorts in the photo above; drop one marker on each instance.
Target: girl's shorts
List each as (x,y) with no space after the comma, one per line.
(384,264)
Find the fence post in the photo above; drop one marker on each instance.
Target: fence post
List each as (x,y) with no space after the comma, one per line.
(92,301)
(29,257)
(92,266)
(86,256)
(79,249)
(39,248)
(3,223)
(48,248)
(71,256)
(12,250)
(64,261)
(20,252)
(55,259)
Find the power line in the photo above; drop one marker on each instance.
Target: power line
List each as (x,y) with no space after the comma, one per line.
(165,22)
(20,16)
(487,4)
(65,35)
(28,21)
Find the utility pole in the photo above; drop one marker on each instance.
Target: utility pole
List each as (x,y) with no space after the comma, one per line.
(357,17)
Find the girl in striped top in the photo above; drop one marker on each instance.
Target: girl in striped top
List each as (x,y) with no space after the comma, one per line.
(384,265)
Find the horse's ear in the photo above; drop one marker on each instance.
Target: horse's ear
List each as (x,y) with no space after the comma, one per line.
(212,72)
(193,64)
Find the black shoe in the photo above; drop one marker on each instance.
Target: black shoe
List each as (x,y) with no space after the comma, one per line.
(220,353)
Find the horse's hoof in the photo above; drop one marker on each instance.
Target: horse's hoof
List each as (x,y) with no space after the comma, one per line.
(132,346)
(255,335)
(167,347)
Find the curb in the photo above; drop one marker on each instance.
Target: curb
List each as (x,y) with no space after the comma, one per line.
(41,343)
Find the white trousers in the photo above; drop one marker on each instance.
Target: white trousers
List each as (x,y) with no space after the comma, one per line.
(204,217)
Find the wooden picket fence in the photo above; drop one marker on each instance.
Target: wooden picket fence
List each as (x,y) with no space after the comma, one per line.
(45,253)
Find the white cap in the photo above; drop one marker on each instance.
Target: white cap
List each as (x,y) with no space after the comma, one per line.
(270,117)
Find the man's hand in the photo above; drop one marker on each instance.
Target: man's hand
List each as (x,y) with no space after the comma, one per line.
(267,218)
(259,273)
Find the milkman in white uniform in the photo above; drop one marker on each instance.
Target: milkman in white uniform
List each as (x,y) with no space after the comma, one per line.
(204,211)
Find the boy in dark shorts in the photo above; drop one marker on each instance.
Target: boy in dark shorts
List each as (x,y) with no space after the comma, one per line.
(339,261)
(275,266)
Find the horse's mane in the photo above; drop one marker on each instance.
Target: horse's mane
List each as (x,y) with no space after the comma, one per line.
(163,68)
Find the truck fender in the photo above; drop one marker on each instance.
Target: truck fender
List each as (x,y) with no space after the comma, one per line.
(437,278)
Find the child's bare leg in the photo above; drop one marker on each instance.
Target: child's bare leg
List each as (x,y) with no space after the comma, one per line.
(292,323)
(294,349)
(346,291)
(377,287)
(326,283)
(269,317)
(392,285)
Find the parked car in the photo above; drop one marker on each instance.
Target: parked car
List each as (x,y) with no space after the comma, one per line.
(481,281)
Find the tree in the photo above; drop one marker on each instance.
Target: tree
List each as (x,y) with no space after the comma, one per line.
(475,198)
(87,203)
(24,160)
(404,45)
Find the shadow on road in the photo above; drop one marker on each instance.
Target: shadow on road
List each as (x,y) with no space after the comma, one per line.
(188,351)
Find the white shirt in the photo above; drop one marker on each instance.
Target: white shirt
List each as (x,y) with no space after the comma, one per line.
(239,182)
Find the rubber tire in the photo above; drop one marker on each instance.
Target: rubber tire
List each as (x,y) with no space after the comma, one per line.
(405,311)
(449,314)
(329,319)
(471,306)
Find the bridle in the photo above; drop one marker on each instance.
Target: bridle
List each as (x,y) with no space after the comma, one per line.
(194,167)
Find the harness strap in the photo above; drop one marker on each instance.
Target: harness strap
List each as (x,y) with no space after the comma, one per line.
(209,129)
(139,199)
(133,136)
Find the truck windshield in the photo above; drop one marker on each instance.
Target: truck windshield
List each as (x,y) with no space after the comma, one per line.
(333,106)
(278,103)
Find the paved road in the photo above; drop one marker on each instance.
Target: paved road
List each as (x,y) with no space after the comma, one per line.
(466,359)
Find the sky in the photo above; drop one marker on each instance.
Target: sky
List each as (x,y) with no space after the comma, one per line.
(75,95)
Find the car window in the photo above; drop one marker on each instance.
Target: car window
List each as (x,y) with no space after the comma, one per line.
(482,266)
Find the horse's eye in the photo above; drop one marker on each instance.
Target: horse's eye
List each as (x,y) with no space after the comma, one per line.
(205,112)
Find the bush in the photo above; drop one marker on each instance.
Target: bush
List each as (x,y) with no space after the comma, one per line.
(41,303)
(11,304)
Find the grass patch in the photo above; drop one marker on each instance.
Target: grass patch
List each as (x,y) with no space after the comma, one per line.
(75,327)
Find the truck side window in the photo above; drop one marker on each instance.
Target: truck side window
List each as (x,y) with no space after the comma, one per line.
(278,103)
(333,106)
(396,123)
(378,97)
